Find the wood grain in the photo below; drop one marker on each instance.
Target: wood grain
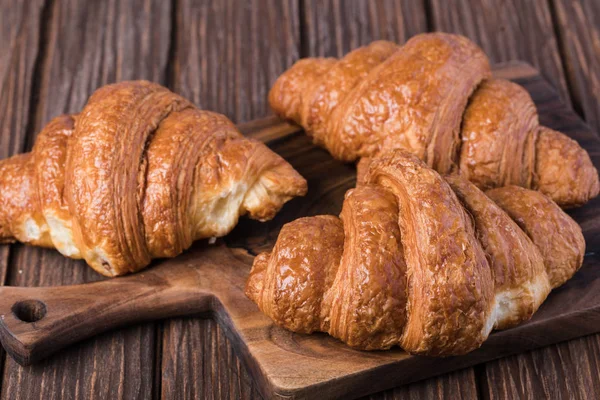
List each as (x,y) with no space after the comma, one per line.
(89,44)
(510,30)
(334,27)
(206,278)
(212,369)
(228,54)
(20,25)
(568,370)
(578,27)
(460,385)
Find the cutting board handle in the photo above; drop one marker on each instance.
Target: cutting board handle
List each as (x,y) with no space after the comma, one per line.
(36,322)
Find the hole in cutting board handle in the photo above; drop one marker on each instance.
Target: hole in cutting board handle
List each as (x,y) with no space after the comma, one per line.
(29,310)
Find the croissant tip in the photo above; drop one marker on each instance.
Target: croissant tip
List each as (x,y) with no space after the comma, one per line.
(254,283)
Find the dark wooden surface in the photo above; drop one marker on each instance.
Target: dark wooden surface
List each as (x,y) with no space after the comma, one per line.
(577,25)
(224,55)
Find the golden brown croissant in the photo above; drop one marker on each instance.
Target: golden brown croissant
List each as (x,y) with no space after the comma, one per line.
(140,173)
(434,97)
(430,264)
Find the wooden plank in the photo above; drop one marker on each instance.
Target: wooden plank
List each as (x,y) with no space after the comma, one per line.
(89,44)
(256,41)
(228,54)
(334,27)
(19,40)
(199,362)
(568,370)
(578,23)
(93,44)
(458,385)
(510,30)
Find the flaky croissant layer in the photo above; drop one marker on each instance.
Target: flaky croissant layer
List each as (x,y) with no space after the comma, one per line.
(140,173)
(428,263)
(435,98)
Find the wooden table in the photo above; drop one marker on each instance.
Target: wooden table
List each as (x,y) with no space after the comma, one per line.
(224,55)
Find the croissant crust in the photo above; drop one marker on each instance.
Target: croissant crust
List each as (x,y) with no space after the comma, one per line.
(429,263)
(435,98)
(138,174)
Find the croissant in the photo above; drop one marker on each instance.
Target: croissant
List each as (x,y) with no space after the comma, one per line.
(434,97)
(427,263)
(139,174)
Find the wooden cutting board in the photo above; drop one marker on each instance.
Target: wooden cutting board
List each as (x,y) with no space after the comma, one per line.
(35,322)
